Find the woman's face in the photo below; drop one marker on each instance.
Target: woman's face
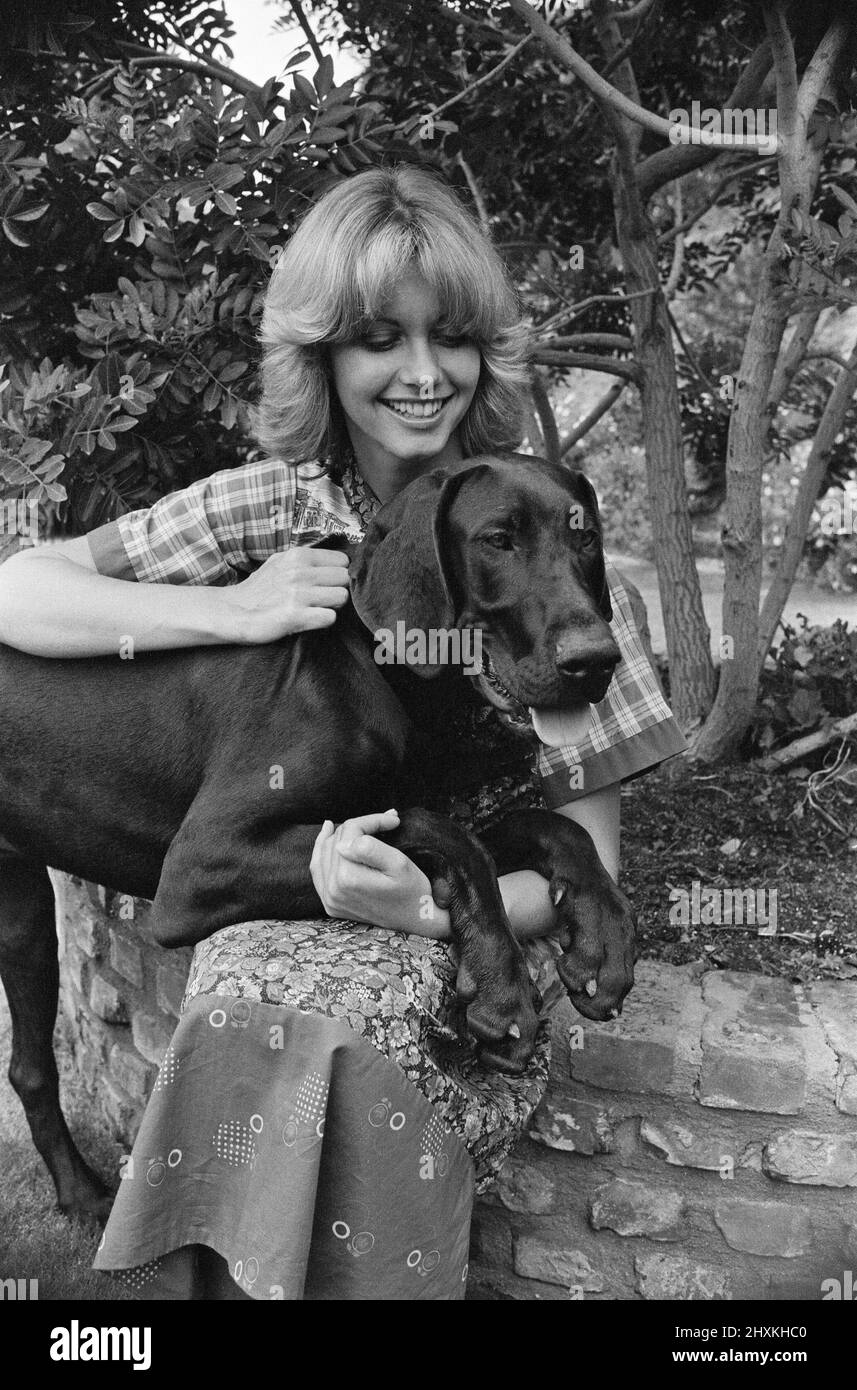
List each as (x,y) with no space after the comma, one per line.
(404,387)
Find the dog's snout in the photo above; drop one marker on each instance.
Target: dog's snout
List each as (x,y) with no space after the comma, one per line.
(581,660)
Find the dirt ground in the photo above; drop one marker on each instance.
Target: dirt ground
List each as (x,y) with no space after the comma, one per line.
(742,829)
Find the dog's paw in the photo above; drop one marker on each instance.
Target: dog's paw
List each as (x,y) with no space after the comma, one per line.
(499,1008)
(596,930)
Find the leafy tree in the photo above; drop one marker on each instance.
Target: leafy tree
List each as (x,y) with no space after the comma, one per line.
(144,199)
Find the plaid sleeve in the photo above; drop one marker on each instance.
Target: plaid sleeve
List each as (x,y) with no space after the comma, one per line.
(213,532)
(631,729)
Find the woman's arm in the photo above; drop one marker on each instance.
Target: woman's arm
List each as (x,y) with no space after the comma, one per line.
(525,893)
(358,876)
(54,602)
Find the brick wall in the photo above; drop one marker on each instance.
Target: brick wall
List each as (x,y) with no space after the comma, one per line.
(703,1146)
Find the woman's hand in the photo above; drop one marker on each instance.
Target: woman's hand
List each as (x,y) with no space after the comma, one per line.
(358,876)
(295,590)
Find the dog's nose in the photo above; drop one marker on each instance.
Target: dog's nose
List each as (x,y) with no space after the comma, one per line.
(583,661)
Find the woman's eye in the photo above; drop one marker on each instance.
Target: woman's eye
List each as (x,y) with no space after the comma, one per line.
(379,344)
(453,340)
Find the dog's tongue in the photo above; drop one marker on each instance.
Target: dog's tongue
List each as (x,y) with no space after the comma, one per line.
(557,727)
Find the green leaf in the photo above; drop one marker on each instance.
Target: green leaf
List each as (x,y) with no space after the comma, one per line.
(122,422)
(106,440)
(12,235)
(226,203)
(136,229)
(32,214)
(233,371)
(115,230)
(101,212)
(305,89)
(324,76)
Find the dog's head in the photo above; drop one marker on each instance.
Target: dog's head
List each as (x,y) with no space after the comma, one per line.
(507,548)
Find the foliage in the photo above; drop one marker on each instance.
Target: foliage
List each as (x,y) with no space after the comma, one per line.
(140,222)
(811,677)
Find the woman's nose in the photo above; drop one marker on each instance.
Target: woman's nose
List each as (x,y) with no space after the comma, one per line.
(421,367)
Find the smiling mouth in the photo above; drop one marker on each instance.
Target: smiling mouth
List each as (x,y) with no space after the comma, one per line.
(416,410)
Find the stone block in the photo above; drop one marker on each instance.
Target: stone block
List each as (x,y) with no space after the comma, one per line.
(553,1262)
(170,989)
(131,1072)
(126,959)
(764,1228)
(634,1209)
(106,1001)
(490,1239)
(669,1277)
(835,1002)
(122,1112)
(653,1048)
(752,1053)
(684,1149)
(522,1187)
(573,1125)
(89,931)
(151,1038)
(815,1160)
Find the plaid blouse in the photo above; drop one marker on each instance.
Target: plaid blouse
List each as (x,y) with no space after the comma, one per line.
(220,529)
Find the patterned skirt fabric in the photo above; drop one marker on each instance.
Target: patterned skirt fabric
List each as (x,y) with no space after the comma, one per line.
(317,1121)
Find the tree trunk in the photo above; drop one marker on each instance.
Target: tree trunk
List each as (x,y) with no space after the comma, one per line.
(741,532)
(687,632)
(809,487)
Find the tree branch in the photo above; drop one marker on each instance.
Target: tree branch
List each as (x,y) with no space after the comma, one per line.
(694,217)
(609,341)
(560,48)
(678,249)
(785,67)
(665,165)
(817,73)
(608,400)
(475,193)
(575,310)
(480,82)
(546,417)
(307,28)
(790,359)
(210,68)
(586,362)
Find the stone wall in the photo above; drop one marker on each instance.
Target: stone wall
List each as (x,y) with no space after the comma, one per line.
(703,1146)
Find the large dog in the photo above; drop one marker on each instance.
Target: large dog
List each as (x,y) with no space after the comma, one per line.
(153,776)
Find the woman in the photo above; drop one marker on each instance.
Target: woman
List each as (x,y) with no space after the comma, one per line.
(318,1128)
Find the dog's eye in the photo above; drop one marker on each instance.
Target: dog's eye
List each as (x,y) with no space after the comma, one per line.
(589,540)
(498,540)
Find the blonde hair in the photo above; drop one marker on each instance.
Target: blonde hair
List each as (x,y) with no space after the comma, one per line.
(335,273)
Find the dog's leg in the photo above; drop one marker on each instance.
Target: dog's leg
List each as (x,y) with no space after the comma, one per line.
(595,922)
(30,974)
(493,983)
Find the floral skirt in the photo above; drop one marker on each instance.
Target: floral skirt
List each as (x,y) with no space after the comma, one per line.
(318,1122)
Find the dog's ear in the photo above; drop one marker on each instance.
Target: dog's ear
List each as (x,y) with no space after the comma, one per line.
(585,493)
(336,540)
(402,571)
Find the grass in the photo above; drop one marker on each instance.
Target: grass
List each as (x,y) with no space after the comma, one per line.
(35,1241)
